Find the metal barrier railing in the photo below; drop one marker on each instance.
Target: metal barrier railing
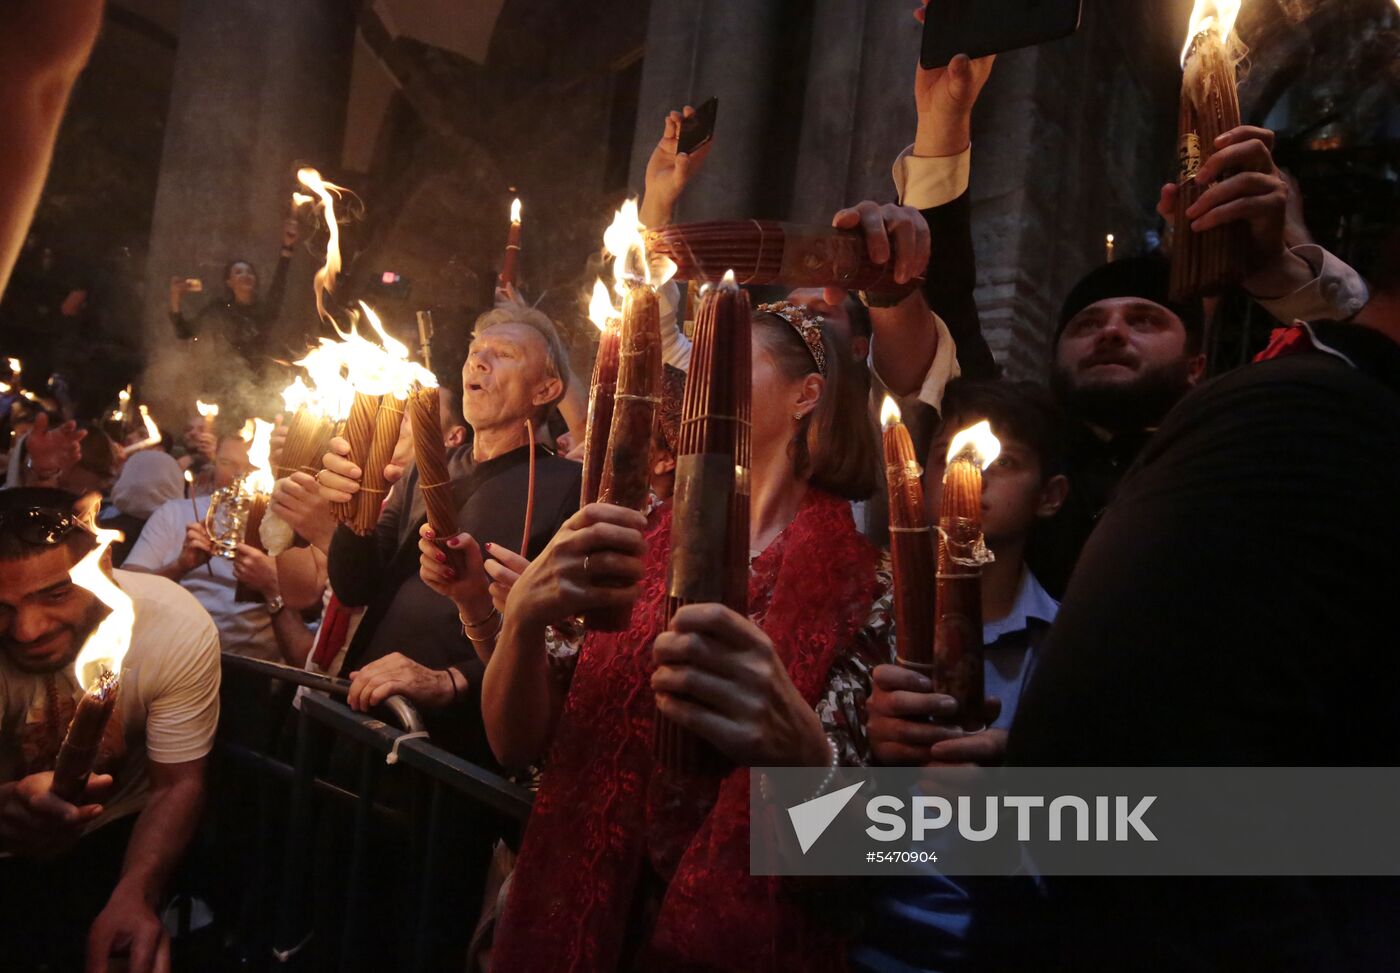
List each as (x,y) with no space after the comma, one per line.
(434,777)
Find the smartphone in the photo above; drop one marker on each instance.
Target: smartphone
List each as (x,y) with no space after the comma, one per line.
(698,128)
(981,27)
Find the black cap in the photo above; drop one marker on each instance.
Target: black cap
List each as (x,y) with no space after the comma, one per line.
(1148,278)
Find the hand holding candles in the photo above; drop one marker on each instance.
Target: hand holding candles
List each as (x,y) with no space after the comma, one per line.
(911,546)
(957,633)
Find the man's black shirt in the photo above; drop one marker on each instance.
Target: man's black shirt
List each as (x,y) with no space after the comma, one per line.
(402,614)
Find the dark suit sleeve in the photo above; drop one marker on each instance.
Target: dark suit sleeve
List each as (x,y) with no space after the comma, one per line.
(357,563)
(950,282)
(272,304)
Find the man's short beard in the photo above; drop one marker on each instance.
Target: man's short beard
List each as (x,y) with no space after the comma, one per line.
(1124,406)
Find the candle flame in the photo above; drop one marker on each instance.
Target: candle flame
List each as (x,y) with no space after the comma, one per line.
(5,388)
(324,282)
(515,211)
(975,444)
(16,366)
(1109,238)
(246,433)
(124,396)
(298,395)
(624,241)
(189,477)
(729,280)
(208,410)
(600,309)
(1210,16)
(106,647)
(153,436)
(889,412)
(300,199)
(260,480)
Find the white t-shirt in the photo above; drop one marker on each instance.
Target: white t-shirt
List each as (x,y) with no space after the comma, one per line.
(168,702)
(245,628)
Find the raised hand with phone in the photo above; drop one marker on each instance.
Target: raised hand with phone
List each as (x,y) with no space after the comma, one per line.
(670,168)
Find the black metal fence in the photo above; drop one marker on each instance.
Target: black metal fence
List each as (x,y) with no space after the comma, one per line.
(337,840)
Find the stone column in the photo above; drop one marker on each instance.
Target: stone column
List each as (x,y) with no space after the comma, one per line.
(259,86)
(731,49)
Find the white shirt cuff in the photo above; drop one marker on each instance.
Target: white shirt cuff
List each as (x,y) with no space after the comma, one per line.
(942,371)
(675,346)
(1334,294)
(924,182)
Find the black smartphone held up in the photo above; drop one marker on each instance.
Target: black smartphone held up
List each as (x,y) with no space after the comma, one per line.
(698,128)
(981,27)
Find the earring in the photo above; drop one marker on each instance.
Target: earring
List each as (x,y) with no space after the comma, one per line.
(797,416)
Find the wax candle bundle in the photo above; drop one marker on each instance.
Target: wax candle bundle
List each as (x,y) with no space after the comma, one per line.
(767,252)
(626,479)
(433,479)
(1206,262)
(911,546)
(388,420)
(710,523)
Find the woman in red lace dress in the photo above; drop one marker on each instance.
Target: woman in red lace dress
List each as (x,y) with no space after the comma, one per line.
(625,865)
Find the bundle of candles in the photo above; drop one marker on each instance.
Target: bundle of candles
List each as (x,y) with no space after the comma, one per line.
(601,391)
(911,545)
(315,415)
(636,391)
(98,670)
(382,378)
(767,252)
(710,525)
(1203,263)
(957,630)
(433,479)
(943,642)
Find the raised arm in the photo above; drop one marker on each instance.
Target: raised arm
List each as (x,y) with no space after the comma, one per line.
(43,49)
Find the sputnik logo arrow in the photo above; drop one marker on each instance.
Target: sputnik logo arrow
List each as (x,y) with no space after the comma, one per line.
(810,819)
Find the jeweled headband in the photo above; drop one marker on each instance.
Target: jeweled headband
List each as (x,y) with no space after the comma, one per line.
(808,325)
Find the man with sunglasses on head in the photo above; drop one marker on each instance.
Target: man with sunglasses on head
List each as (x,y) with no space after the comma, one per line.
(94,873)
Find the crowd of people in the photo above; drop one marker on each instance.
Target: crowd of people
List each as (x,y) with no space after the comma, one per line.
(1187,571)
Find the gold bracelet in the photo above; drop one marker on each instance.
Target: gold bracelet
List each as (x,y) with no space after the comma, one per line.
(500,624)
(479,622)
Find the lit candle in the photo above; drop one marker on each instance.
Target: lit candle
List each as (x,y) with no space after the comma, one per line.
(98,671)
(957,634)
(626,478)
(210,412)
(601,392)
(1108,248)
(911,546)
(512,246)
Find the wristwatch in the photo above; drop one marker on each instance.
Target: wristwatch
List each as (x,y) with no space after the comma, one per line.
(275,604)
